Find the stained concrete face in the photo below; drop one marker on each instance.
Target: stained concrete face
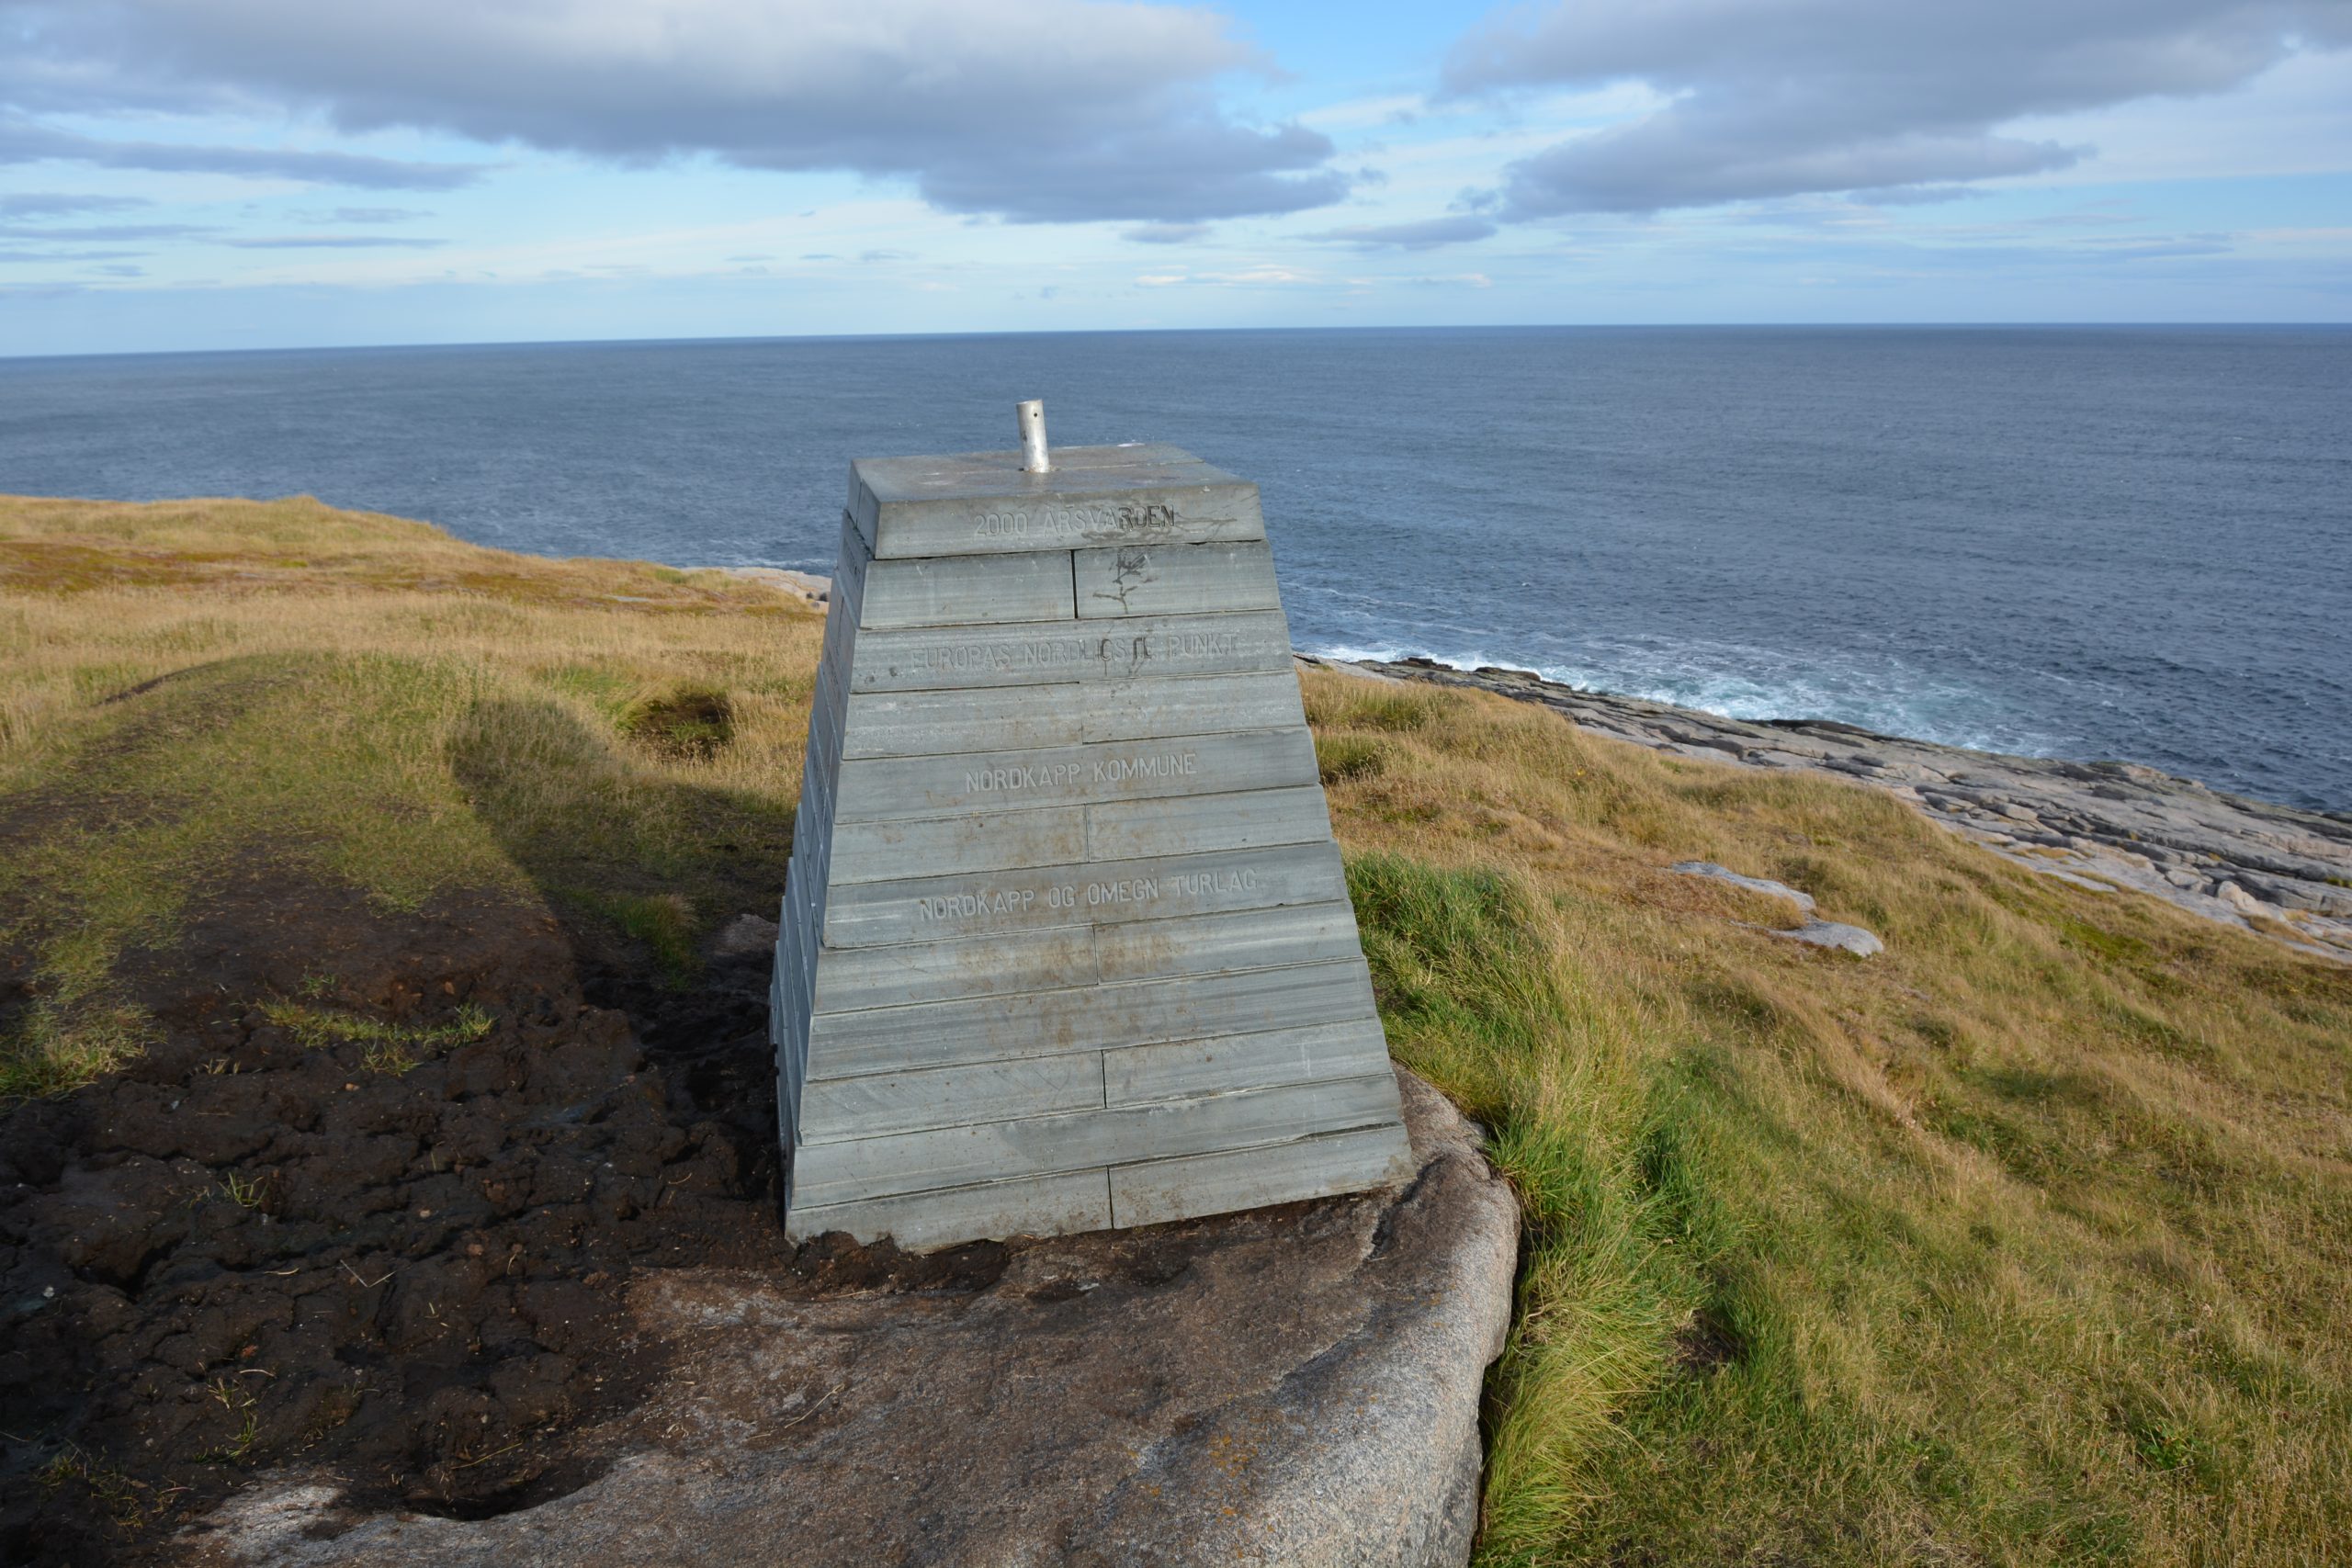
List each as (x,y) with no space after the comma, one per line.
(1066,943)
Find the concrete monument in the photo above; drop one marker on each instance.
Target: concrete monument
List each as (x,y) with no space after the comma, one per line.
(1066,943)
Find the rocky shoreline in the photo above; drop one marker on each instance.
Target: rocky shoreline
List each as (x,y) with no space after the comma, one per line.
(2279,870)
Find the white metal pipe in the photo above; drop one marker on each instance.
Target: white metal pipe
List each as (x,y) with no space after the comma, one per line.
(1034,458)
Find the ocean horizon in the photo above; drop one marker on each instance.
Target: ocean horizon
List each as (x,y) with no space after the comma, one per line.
(2094,542)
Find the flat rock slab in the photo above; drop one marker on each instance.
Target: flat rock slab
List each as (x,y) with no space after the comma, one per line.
(1708,868)
(1814,932)
(1835,934)
(1295,1386)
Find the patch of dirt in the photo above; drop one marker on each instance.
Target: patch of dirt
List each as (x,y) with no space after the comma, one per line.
(693,721)
(1705,1343)
(246,1250)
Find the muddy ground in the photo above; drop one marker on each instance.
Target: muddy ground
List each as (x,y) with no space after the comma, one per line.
(255,1248)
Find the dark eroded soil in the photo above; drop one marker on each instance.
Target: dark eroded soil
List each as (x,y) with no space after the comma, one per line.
(245,1251)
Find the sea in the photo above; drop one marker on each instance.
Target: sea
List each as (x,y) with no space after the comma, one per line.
(2128,543)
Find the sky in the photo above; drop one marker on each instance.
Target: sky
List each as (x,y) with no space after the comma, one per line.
(181,174)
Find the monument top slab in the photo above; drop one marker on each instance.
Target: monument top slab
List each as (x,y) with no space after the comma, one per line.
(1078,471)
(986,503)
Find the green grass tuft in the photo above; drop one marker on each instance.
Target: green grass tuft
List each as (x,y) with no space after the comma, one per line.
(1341,758)
(325,1026)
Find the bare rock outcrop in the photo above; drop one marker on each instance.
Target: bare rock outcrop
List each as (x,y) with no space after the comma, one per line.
(2279,870)
(1296,1385)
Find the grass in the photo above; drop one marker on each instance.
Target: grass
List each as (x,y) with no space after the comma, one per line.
(2022,1243)
(374,706)
(326,1026)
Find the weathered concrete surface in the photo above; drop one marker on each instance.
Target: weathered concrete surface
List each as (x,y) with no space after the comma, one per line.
(1079,682)
(1296,1385)
(2279,870)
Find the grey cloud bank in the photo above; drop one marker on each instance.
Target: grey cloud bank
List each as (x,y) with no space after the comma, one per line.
(1117,119)
(64,204)
(22,142)
(1785,98)
(331,242)
(1425,234)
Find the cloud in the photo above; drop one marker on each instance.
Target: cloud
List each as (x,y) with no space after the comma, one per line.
(369,215)
(1425,234)
(18,255)
(114,232)
(1165,233)
(65,204)
(870,257)
(22,142)
(1786,98)
(332,243)
(1031,110)
(1263,274)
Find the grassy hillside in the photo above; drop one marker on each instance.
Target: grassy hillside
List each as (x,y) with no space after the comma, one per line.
(185,686)
(2023,1242)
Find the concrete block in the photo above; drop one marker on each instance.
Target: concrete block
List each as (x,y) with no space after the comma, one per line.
(948,846)
(982,502)
(1100,771)
(853,978)
(1181,1069)
(1052,1205)
(967,591)
(983,904)
(1175,580)
(901,1162)
(1145,829)
(1247,642)
(883,1103)
(1034,653)
(1091,1017)
(1034,718)
(1195,704)
(1156,1191)
(1204,823)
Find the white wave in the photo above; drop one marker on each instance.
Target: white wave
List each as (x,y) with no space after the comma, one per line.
(1756,684)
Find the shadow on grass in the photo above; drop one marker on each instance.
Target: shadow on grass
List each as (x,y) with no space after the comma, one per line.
(639,865)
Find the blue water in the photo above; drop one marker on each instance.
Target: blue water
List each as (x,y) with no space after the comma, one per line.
(2092,543)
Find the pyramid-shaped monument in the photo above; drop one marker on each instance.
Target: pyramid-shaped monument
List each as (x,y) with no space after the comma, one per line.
(1066,939)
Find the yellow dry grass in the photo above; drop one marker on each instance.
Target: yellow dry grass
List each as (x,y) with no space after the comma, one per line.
(2024,1242)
